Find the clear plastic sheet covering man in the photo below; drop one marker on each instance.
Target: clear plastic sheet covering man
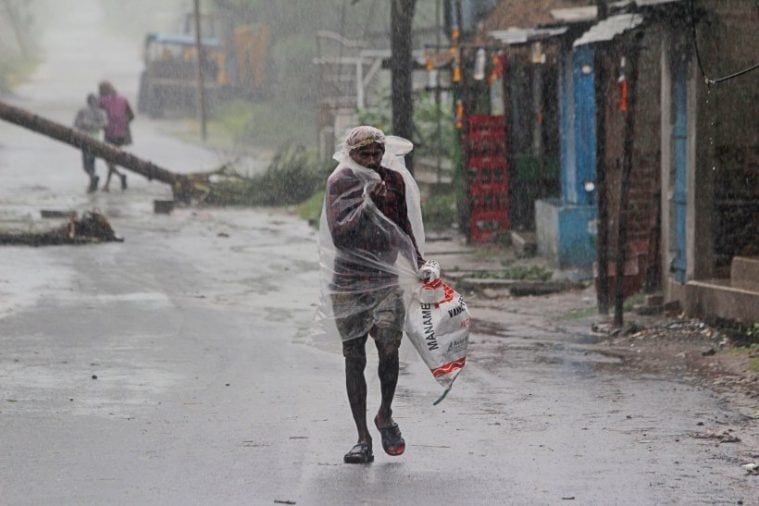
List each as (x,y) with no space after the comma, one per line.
(363,254)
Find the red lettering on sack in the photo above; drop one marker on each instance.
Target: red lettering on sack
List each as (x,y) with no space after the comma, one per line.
(449,367)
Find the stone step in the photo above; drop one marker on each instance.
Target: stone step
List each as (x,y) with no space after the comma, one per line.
(744,273)
(717,296)
(525,244)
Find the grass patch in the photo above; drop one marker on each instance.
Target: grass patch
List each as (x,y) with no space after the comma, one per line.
(579,313)
(633,300)
(753,363)
(311,209)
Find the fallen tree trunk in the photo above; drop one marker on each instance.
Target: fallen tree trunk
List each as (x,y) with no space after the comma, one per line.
(184,187)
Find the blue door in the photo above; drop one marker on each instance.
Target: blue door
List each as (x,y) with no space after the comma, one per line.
(566,125)
(584,125)
(680,162)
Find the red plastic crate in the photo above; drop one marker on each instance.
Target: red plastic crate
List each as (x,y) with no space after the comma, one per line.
(486,175)
(488,201)
(486,141)
(487,162)
(485,121)
(488,170)
(496,190)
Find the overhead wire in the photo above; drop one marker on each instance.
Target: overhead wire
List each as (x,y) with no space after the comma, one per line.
(694,35)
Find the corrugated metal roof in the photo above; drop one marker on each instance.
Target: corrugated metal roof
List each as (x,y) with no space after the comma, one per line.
(609,28)
(576,14)
(513,36)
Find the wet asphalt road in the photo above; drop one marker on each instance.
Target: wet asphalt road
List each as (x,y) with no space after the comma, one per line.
(177,368)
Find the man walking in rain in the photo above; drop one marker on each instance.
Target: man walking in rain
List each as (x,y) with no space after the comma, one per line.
(371,256)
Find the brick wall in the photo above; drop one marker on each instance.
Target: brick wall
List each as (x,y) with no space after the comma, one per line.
(643,190)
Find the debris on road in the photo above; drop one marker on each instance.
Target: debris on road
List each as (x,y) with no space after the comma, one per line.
(751,468)
(710,354)
(93,227)
(726,436)
(163,206)
(55,213)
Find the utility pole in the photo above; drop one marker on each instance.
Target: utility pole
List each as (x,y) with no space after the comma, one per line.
(602,227)
(438,98)
(624,194)
(401,22)
(201,94)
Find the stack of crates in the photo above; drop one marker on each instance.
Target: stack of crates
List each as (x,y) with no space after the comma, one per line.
(486,176)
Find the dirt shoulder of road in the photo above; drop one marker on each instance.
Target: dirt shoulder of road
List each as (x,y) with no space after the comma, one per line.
(724,358)
(669,347)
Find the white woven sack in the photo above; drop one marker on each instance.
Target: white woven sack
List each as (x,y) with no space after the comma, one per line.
(437,324)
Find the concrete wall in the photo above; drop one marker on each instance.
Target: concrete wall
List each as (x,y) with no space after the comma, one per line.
(566,234)
(728,137)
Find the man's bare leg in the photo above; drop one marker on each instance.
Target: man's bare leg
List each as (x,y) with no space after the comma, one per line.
(392,439)
(388,375)
(354,351)
(355,384)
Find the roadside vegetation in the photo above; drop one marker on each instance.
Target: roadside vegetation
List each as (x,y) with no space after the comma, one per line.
(521,273)
(19,52)
(14,70)
(293,177)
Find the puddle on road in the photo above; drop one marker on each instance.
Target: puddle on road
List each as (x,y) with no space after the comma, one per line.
(495,345)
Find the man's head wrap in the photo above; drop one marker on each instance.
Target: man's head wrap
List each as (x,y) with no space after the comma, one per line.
(361,136)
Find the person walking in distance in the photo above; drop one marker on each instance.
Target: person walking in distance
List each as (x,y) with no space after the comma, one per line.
(90,119)
(117,131)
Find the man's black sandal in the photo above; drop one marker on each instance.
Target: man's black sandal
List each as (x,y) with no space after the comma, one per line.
(392,441)
(359,454)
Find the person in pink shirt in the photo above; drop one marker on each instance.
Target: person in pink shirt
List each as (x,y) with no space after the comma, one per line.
(117,130)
